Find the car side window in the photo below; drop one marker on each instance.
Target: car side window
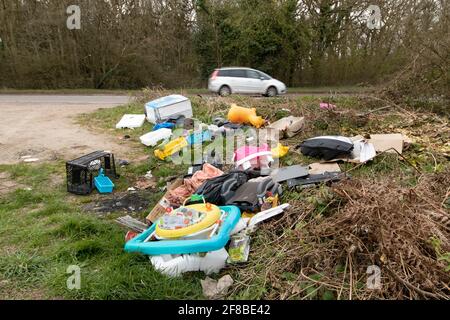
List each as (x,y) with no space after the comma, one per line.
(238,73)
(253,74)
(265,76)
(224,73)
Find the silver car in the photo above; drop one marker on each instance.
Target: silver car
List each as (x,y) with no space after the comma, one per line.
(226,81)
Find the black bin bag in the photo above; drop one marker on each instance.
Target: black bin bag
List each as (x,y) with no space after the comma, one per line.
(220,189)
(327,147)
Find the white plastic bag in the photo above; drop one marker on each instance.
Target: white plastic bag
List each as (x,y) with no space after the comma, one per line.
(175,265)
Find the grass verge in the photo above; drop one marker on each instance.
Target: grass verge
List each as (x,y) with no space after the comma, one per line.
(43,229)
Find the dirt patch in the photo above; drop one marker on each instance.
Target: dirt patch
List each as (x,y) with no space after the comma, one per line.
(7,184)
(48,132)
(127,202)
(9,291)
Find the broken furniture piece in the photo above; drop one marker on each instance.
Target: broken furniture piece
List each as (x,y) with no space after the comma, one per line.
(80,172)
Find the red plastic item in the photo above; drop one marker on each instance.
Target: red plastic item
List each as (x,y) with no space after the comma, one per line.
(130,235)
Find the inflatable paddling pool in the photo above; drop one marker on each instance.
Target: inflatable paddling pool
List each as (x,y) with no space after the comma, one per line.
(216,242)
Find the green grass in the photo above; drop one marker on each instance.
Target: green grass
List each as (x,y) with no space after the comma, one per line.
(43,230)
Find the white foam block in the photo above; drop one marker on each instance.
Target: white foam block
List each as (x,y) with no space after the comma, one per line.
(131,121)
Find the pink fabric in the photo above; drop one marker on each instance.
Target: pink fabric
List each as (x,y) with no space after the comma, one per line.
(327,106)
(245,151)
(178,195)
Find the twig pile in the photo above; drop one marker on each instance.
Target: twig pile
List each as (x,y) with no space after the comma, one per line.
(405,232)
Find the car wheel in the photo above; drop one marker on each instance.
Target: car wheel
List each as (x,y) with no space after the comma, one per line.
(224,91)
(272,92)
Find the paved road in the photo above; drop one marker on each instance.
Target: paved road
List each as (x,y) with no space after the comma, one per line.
(41,99)
(43,126)
(97,100)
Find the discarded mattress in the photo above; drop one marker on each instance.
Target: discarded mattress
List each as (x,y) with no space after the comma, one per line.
(142,244)
(327,147)
(131,121)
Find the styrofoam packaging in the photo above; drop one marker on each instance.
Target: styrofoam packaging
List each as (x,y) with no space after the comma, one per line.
(152,138)
(131,121)
(163,108)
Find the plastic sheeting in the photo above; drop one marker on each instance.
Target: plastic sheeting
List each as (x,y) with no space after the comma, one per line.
(175,265)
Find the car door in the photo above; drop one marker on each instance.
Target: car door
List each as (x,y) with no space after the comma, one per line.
(237,80)
(253,83)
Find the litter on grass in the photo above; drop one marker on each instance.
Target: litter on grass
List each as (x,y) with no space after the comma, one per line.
(206,217)
(131,121)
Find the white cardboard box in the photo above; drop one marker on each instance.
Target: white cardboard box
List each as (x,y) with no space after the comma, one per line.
(166,107)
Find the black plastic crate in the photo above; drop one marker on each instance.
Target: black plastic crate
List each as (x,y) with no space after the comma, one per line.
(81,171)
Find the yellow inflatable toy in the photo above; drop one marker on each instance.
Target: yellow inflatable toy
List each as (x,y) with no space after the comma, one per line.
(210,214)
(170,148)
(245,115)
